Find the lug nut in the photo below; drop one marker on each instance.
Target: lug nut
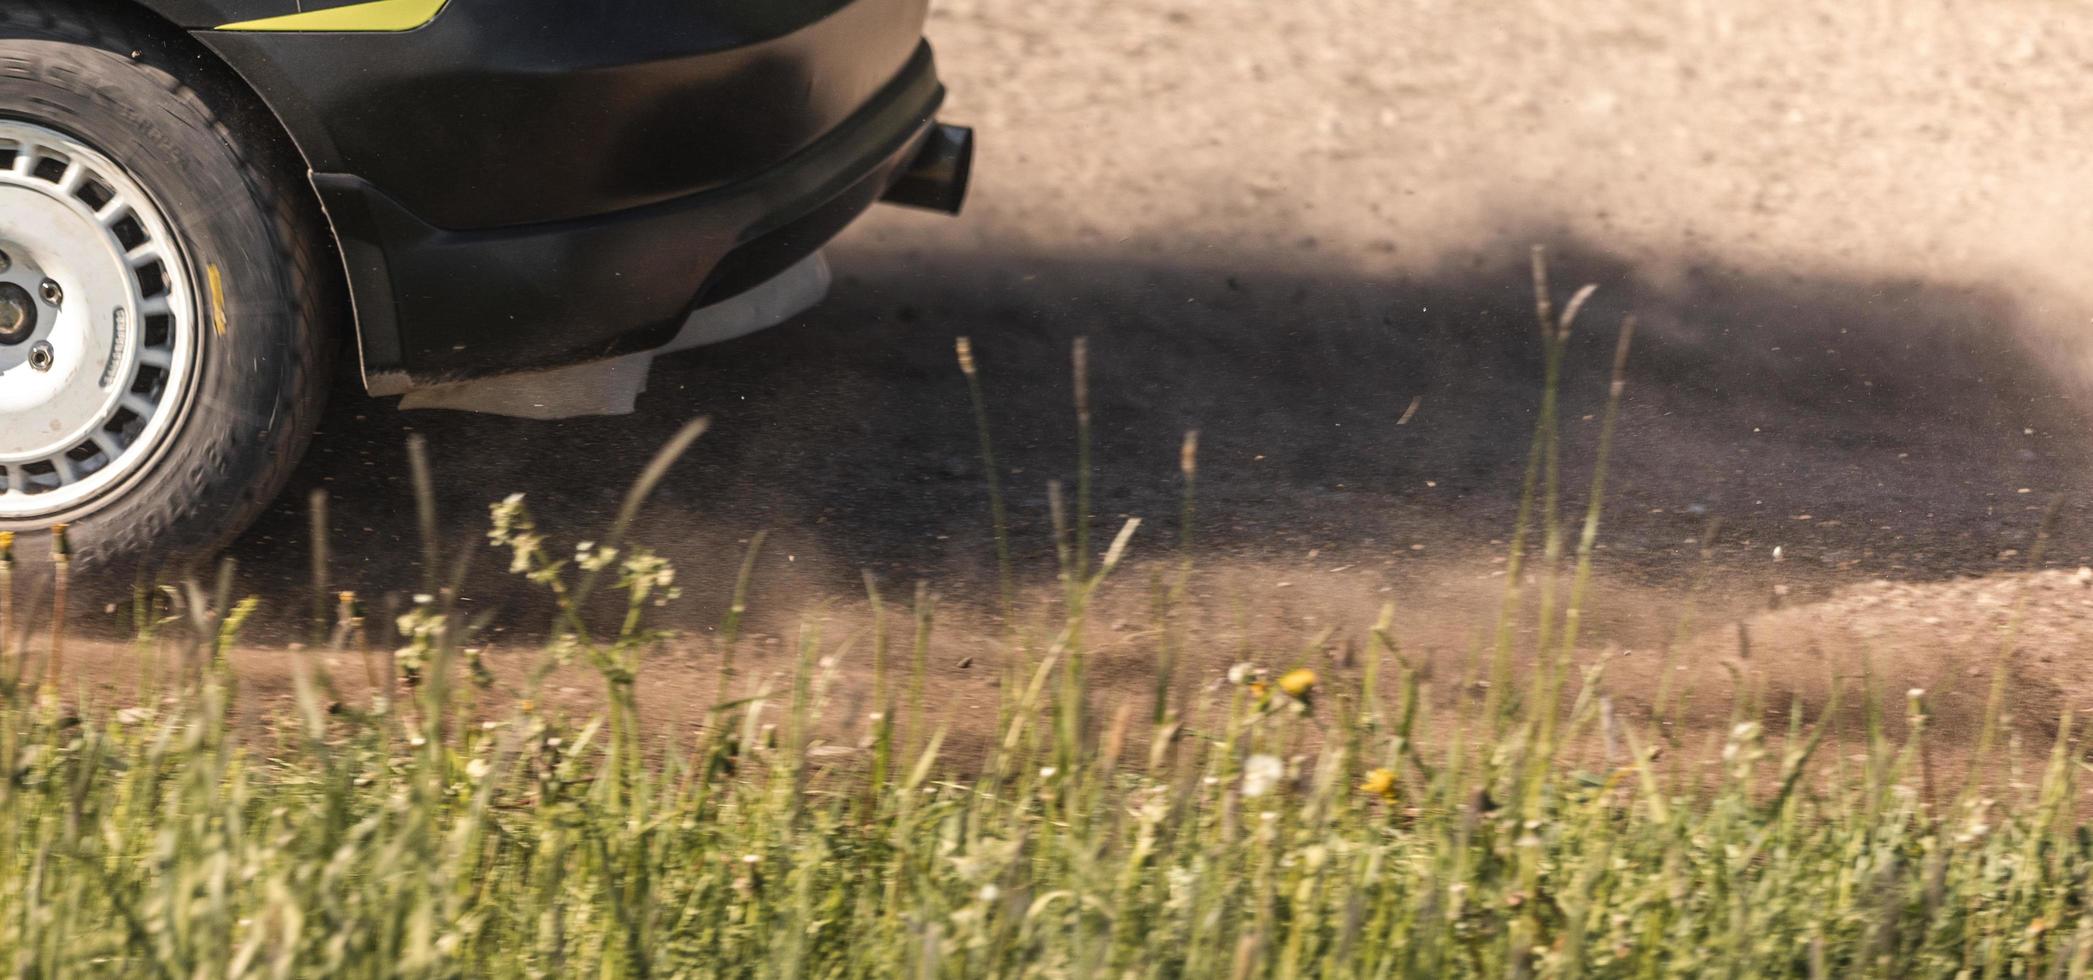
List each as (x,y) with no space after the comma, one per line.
(40,355)
(52,294)
(5,262)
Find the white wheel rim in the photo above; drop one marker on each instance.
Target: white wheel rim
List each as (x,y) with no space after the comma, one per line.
(90,392)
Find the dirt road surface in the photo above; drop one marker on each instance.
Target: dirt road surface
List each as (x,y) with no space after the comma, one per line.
(1854,235)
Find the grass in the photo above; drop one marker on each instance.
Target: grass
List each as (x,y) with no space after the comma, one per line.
(1313,819)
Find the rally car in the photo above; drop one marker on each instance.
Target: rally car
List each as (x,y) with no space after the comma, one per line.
(503,205)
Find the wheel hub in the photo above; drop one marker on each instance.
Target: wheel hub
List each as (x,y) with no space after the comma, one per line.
(17,314)
(97,329)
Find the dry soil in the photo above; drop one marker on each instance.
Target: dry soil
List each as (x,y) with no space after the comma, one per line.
(1854,234)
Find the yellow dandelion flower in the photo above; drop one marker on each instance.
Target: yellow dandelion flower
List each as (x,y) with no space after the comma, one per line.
(1297,682)
(1380,782)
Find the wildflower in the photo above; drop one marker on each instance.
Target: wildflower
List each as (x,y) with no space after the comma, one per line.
(1261,773)
(1243,673)
(507,516)
(1297,683)
(423,627)
(592,558)
(477,769)
(646,574)
(1380,782)
(526,545)
(1743,743)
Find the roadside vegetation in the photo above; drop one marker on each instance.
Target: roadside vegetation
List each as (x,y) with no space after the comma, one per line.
(1302,816)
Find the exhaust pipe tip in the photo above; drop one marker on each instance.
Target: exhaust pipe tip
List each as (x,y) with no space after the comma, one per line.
(936,179)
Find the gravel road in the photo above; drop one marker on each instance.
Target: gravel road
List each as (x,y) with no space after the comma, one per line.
(1851,233)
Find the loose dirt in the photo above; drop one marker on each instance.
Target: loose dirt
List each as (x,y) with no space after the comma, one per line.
(1852,234)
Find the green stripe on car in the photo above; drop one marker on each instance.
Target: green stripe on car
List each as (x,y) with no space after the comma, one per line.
(376,16)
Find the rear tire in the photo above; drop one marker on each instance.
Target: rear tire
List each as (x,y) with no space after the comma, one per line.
(168,477)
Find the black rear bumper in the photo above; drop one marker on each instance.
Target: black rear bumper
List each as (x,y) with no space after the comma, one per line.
(518,185)
(435,305)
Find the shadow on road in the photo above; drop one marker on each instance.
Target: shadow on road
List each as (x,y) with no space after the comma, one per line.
(1870,428)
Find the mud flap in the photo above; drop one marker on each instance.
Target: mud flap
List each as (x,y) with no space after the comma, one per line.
(612,387)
